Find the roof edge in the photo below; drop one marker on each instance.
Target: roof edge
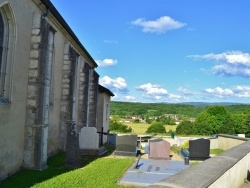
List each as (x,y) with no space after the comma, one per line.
(104,89)
(58,16)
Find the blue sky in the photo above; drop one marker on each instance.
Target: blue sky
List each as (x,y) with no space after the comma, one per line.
(165,50)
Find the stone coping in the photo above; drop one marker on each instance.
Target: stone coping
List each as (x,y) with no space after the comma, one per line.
(234,137)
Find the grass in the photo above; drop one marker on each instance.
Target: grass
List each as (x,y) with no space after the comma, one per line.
(141,128)
(96,172)
(216,151)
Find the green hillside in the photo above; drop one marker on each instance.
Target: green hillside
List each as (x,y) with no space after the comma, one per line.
(127,109)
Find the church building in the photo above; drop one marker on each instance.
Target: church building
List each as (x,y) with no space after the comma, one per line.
(47,82)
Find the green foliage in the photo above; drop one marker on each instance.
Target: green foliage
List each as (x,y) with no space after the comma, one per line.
(216,119)
(119,127)
(186,128)
(227,119)
(187,110)
(156,127)
(247,123)
(126,109)
(216,151)
(239,123)
(136,121)
(166,120)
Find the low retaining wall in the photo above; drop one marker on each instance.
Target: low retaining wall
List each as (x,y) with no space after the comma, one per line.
(226,142)
(228,169)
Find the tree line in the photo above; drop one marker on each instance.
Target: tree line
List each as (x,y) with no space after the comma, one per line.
(209,119)
(217,120)
(128,109)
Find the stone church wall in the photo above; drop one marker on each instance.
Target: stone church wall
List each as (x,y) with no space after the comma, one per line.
(26,139)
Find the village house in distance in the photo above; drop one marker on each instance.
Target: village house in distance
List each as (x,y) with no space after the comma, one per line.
(47,83)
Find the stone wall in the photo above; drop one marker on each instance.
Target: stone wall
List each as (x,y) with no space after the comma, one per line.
(65,95)
(93,93)
(83,95)
(36,128)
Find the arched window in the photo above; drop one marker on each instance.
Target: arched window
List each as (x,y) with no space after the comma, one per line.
(1,55)
(7,41)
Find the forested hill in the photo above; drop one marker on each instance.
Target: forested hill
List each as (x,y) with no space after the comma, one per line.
(157,109)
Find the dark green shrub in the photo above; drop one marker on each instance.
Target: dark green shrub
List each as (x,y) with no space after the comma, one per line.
(136,121)
(186,127)
(156,127)
(119,127)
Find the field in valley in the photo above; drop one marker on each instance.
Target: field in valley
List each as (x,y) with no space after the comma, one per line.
(141,128)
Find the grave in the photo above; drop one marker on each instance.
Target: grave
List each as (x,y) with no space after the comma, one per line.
(159,149)
(89,142)
(199,149)
(151,171)
(112,139)
(126,145)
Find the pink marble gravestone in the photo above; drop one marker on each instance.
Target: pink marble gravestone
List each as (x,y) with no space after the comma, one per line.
(159,149)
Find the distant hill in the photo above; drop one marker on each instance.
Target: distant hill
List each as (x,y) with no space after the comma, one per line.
(212,104)
(187,109)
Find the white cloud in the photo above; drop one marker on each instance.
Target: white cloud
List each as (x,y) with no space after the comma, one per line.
(110,41)
(236,91)
(150,89)
(117,84)
(185,91)
(129,98)
(175,98)
(106,62)
(160,25)
(230,63)
(153,93)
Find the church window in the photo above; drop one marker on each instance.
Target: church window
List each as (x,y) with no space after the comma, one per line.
(7,33)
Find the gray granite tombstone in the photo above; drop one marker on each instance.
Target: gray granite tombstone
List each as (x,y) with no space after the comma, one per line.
(199,149)
(112,139)
(126,145)
(159,149)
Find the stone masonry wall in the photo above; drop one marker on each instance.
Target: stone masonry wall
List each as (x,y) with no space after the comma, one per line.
(32,97)
(65,103)
(93,93)
(83,96)
(35,152)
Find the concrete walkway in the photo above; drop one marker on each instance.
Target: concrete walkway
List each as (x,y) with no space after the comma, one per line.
(151,171)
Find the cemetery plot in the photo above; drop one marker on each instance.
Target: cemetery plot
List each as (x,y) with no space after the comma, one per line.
(198,150)
(126,145)
(159,149)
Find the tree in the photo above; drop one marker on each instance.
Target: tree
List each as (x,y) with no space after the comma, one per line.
(186,128)
(119,127)
(216,119)
(156,127)
(247,123)
(239,123)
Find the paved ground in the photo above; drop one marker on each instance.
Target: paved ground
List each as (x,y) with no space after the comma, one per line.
(151,171)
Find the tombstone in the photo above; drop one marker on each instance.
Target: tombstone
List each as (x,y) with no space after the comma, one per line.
(126,145)
(112,139)
(159,149)
(89,141)
(199,149)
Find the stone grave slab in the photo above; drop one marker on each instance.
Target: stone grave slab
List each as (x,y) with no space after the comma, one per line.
(199,149)
(126,145)
(151,171)
(159,149)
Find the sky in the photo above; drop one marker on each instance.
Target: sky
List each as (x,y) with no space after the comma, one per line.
(170,51)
